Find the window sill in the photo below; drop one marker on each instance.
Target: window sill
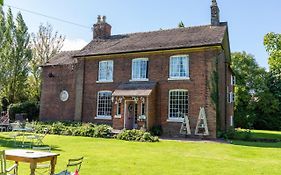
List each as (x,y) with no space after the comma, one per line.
(177,120)
(103,117)
(180,78)
(108,81)
(117,116)
(145,79)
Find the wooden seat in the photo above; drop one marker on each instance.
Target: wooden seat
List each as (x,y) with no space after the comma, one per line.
(4,170)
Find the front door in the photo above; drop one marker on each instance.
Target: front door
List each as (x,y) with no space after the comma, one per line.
(129,115)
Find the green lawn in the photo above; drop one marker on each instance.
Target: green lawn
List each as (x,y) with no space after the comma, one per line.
(110,157)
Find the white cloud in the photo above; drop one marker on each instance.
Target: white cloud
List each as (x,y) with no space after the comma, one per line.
(73,44)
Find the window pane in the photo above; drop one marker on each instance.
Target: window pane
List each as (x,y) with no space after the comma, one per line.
(178,106)
(139,69)
(106,71)
(179,67)
(104,104)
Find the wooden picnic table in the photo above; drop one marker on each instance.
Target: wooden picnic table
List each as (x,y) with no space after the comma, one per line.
(32,157)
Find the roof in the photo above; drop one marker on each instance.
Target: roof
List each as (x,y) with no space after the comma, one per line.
(63,58)
(156,40)
(134,89)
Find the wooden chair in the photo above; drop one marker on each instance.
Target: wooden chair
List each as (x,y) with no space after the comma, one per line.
(43,168)
(4,170)
(72,166)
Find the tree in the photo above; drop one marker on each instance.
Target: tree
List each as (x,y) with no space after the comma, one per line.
(181,25)
(15,56)
(45,45)
(252,105)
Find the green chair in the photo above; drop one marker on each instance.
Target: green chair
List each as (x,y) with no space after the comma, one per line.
(72,166)
(4,170)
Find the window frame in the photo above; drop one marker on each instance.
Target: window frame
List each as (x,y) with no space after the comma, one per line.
(170,119)
(187,77)
(132,70)
(103,117)
(99,72)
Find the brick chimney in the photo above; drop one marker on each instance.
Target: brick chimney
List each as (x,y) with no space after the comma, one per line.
(101,30)
(215,14)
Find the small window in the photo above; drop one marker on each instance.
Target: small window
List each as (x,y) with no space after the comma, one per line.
(106,71)
(231,97)
(231,120)
(233,80)
(118,112)
(104,104)
(139,69)
(178,104)
(143,109)
(179,67)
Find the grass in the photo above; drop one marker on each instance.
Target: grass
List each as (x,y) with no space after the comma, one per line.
(115,157)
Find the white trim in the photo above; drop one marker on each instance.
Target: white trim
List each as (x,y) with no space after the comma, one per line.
(141,79)
(187,68)
(175,119)
(103,117)
(108,81)
(99,80)
(117,116)
(232,80)
(144,58)
(175,78)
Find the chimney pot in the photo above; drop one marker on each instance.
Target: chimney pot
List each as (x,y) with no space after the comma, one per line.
(101,30)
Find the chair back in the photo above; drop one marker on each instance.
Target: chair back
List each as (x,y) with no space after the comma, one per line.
(3,163)
(42,148)
(74,164)
(15,125)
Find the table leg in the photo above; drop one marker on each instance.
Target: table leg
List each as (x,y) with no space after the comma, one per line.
(32,168)
(53,165)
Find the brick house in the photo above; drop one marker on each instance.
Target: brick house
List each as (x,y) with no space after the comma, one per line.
(147,79)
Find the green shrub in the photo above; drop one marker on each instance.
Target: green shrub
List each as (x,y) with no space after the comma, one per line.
(103,131)
(156,130)
(230,133)
(137,135)
(31,109)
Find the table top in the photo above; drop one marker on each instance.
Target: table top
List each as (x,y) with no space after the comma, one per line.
(29,153)
(22,129)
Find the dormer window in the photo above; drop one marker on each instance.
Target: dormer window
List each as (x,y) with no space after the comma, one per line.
(179,67)
(140,69)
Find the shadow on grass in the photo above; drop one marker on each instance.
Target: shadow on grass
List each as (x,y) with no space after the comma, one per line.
(257,144)
(18,143)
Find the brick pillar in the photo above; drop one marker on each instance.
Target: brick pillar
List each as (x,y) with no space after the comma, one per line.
(79,86)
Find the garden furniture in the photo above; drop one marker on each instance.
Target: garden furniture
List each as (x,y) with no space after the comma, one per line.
(32,157)
(4,170)
(73,167)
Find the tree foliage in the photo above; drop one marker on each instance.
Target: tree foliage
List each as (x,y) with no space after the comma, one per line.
(45,44)
(15,56)
(181,25)
(255,105)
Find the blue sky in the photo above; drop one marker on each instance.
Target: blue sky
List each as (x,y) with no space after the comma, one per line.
(248,20)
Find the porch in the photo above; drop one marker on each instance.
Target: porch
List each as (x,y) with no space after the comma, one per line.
(134,106)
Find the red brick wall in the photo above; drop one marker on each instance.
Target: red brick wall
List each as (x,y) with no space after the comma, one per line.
(202,63)
(52,108)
